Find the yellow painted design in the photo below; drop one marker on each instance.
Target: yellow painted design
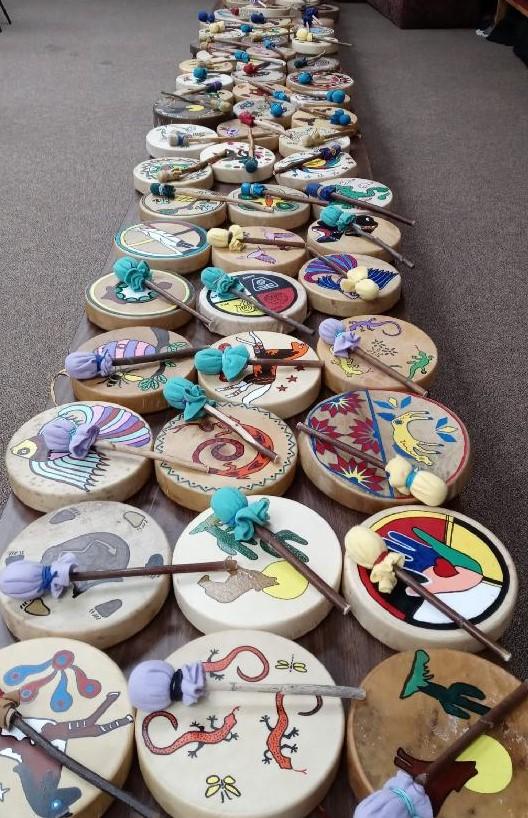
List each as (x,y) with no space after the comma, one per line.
(494,765)
(290,584)
(470,543)
(237,306)
(350,366)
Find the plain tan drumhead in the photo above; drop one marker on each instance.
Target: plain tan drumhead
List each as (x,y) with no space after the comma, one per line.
(100,536)
(138,387)
(401,345)
(111,304)
(284,390)
(47,481)
(258,773)
(230,459)
(83,709)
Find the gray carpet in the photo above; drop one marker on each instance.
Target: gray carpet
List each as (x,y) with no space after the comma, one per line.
(445,118)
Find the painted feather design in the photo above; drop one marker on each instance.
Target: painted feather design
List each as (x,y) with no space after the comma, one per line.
(117,425)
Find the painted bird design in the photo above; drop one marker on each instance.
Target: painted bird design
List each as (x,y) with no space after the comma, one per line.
(116,424)
(404,440)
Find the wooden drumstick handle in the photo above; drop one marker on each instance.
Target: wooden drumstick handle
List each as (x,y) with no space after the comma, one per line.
(181,304)
(273,242)
(339,197)
(237,427)
(375,240)
(388,370)
(187,352)
(329,262)
(297,163)
(146,454)
(173,176)
(332,691)
(283,318)
(341,445)
(208,196)
(308,573)
(228,564)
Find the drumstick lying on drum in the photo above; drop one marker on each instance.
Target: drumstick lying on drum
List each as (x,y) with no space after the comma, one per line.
(235,238)
(64,435)
(218,281)
(368,549)
(304,35)
(11,719)
(247,118)
(155,685)
(417,793)
(176,173)
(220,105)
(137,275)
(198,195)
(232,361)
(247,519)
(425,486)
(191,400)
(327,152)
(345,343)
(327,193)
(345,222)
(26,579)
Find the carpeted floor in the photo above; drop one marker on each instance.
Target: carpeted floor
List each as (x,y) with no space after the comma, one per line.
(445,118)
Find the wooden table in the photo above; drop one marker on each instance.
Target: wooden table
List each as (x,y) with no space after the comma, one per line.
(341,644)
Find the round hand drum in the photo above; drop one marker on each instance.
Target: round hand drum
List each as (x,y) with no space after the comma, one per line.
(312,101)
(158,140)
(284,390)
(322,81)
(188,84)
(404,347)
(419,703)
(279,212)
(230,460)
(243,753)
(328,240)
(271,75)
(48,480)
(100,536)
(177,247)
(260,50)
(457,559)
(314,170)
(362,190)
(232,314)
(231,169)
(111,304)
(138,387)
(203,212)
(260,107)
(265,592)
(322,284)
(237,131)
(173,111)
(328,64)
(286,260)
(187,66)
(294,140)
(148,172)
(306,118)
(382,423)
(76,697)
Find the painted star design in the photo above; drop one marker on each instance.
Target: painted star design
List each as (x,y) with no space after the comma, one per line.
(282,388)
(291,379)
(3,791)
(299,368)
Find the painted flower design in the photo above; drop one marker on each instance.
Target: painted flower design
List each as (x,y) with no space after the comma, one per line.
(323,426)
(346,404)
(360,474)
(362,433)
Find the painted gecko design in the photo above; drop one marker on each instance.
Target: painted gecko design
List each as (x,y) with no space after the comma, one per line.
(212,667)
(419,363)
(198,735)
(275,742)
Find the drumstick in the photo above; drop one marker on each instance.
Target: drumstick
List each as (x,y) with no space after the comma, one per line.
(327,152)
(368,549)
(176,173)
(345,344)
(250,120)
(258,190)
(425,486)
(191,400)
(137,276)
(235,238)
(155,685)
(217,280)
(231,507)
(220,105)
(26,579)
(232,361)
(325,193)
(198,195)
(11,719)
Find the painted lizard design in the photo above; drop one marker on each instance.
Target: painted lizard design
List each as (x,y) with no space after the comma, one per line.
(419,363)
(199,735)
(221,664)
(275,742)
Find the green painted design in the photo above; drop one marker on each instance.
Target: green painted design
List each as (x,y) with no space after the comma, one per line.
(226,542)
(419,363)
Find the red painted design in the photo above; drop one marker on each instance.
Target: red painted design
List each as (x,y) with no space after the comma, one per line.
(222,664)
(200,737)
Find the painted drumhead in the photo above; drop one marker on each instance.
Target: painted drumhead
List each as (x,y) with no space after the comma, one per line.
(100,536)
(231,313)
(203,212)
(259,50)
(148,171)
(230,460)
(158,140)
(141,387)
(417,704)
(315,120)
(321,81)
(167,110)
(187,66)
(322,284)
(321,64)
(362,190)
(260,107)
(236,130)
(76,697)
(48,480)
(279,212)
(231,167)
(329,240)
(111,304)
(266,592)
(402,346)
(287,260)
(293,140)
(457,559)
(269,74)
(173,246)
(284,390)
(314,170)
(258,773)
(383,423)
(185,83)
